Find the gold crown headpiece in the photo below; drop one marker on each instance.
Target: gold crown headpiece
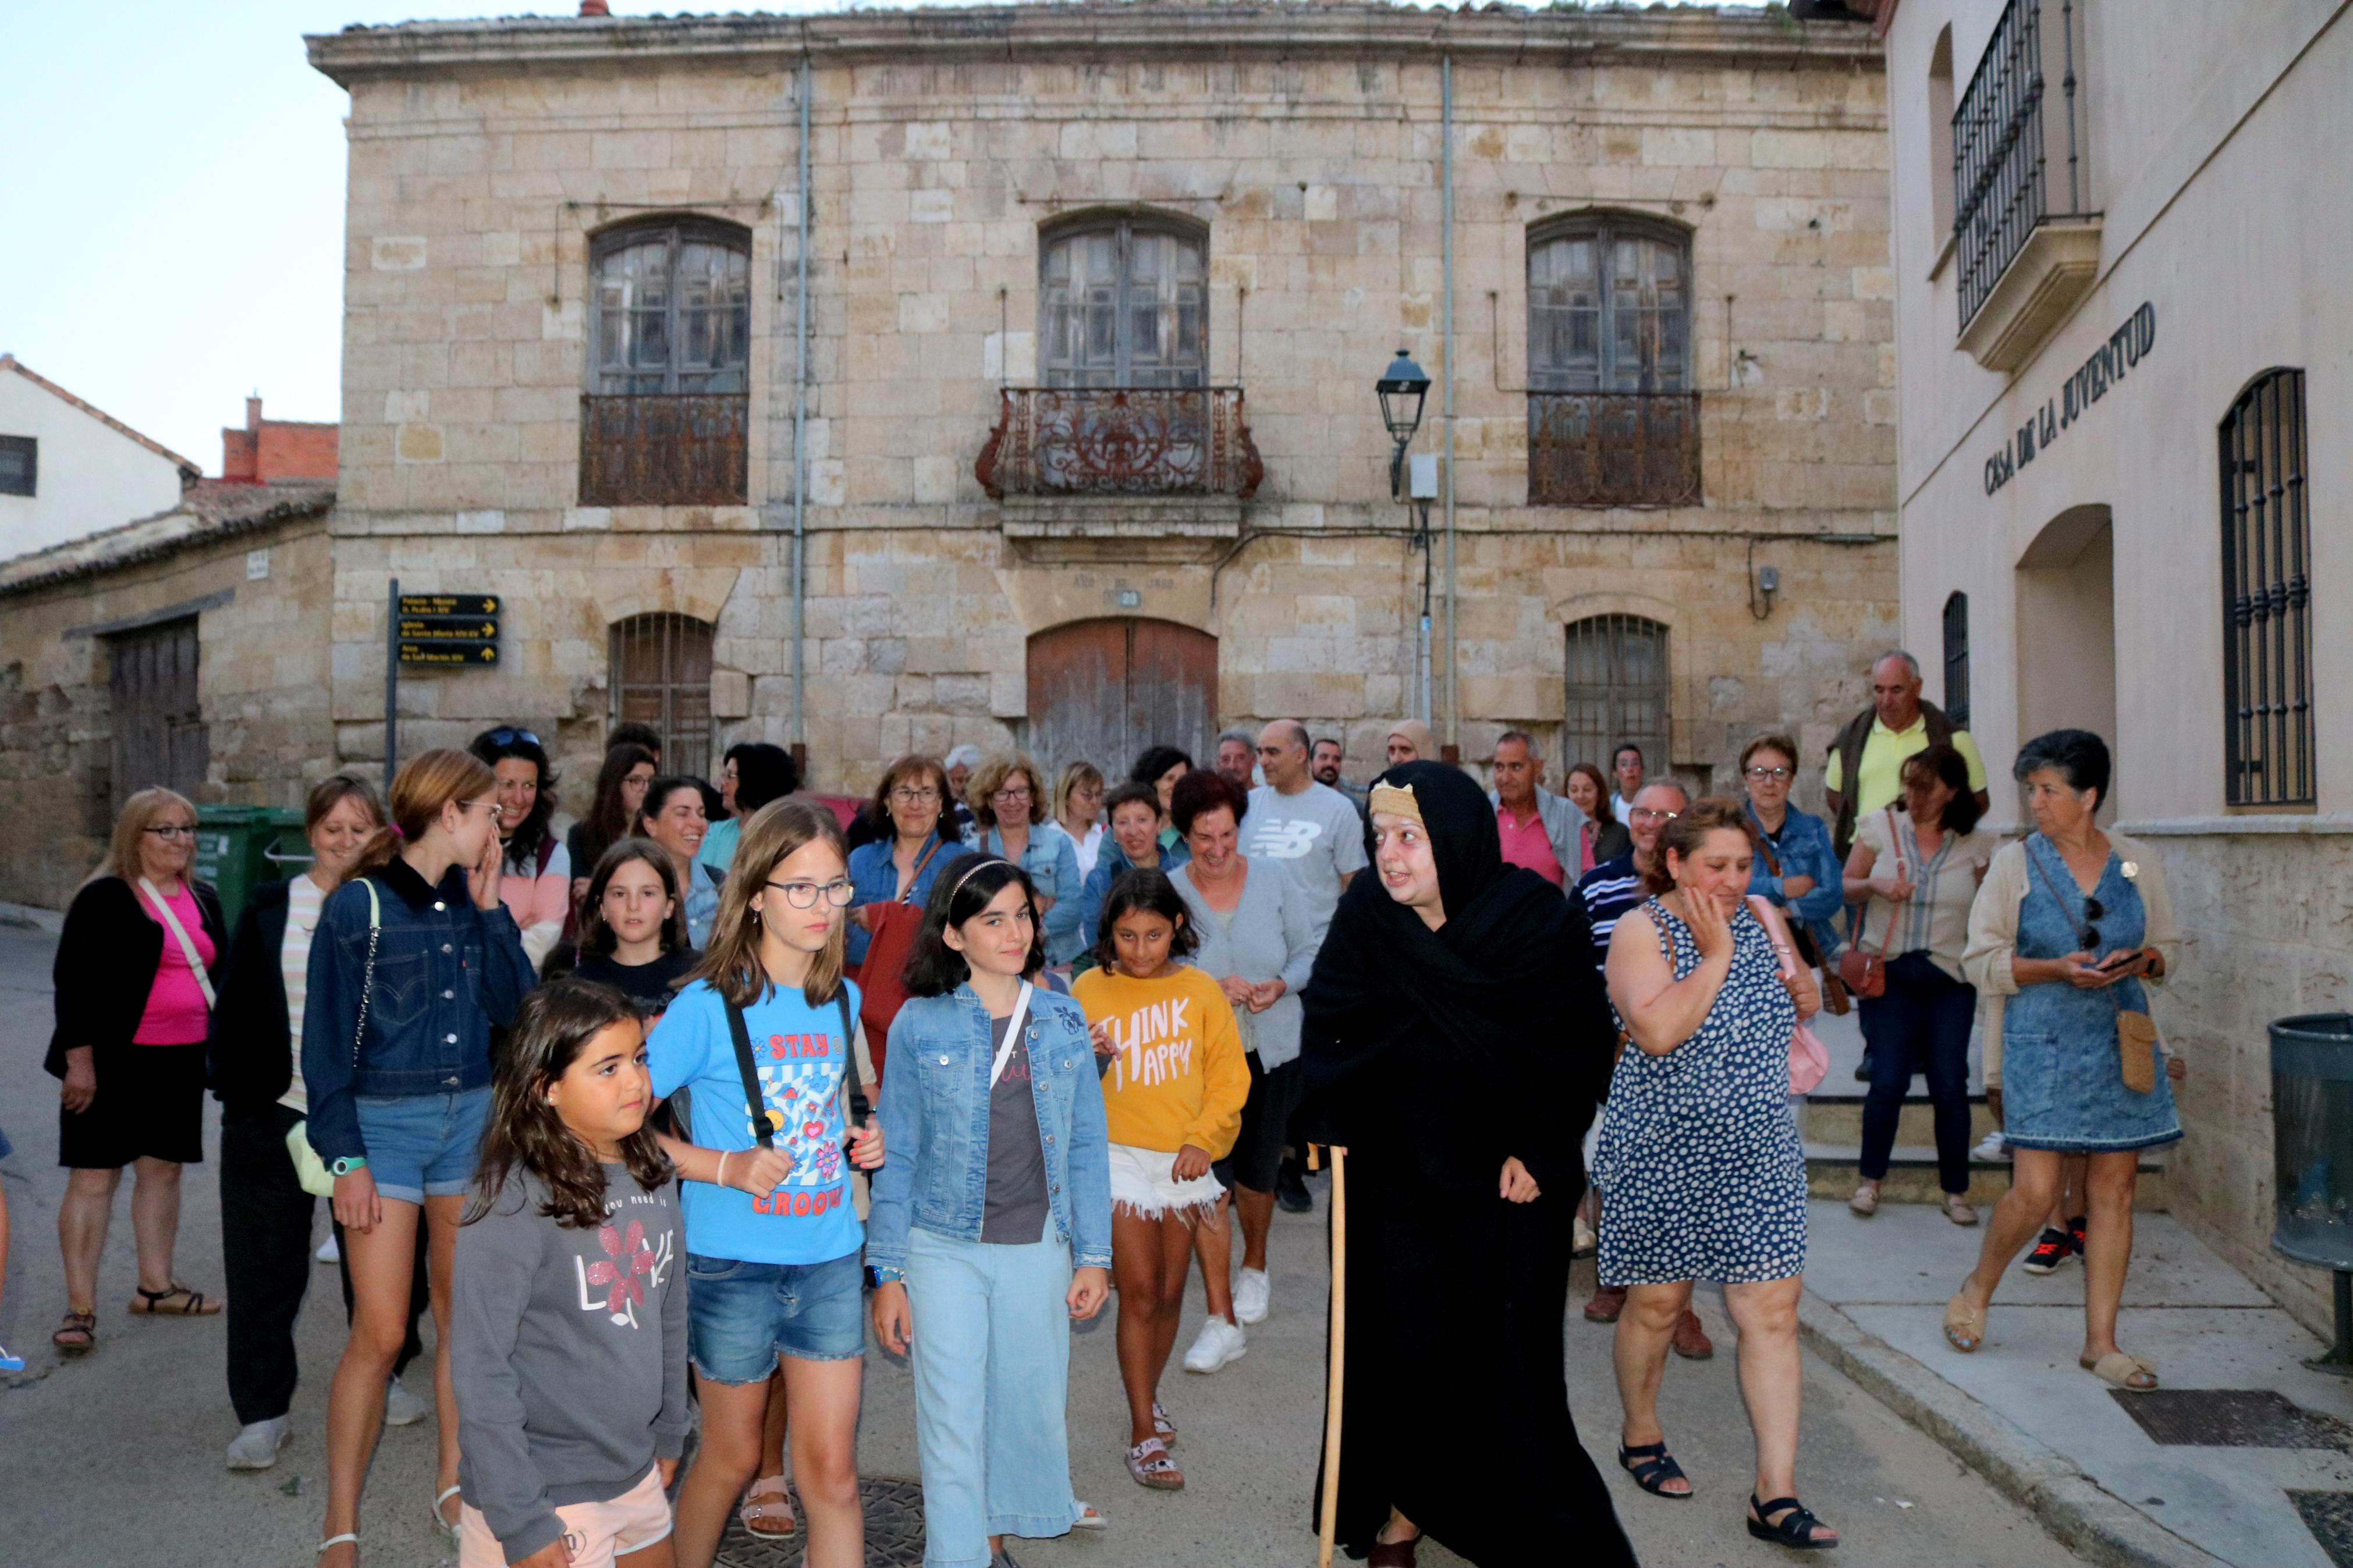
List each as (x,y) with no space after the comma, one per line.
(1397,800)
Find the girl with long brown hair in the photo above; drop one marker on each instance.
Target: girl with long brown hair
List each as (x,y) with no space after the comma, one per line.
(763,1035)
(415,960)
(568,1330)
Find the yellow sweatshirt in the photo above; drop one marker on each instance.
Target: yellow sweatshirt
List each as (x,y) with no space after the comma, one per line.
(1178,1075)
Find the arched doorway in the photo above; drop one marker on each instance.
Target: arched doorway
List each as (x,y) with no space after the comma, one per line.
(2067,630)
(1103,690)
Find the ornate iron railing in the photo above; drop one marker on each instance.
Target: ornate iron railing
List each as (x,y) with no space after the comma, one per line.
(1613,448)
(2000,183)
(663,450)
(1120,441)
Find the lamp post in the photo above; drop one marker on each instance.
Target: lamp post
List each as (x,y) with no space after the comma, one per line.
(1401,388)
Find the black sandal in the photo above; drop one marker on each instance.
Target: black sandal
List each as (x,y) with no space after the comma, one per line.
(1796,1529)
(1653,1468)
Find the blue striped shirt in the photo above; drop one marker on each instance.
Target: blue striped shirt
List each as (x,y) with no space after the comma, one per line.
(1608,892)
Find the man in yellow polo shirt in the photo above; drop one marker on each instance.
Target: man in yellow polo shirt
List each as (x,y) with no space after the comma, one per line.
(1872,748)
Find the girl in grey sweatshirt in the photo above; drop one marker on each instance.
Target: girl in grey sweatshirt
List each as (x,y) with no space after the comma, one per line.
(568,1317)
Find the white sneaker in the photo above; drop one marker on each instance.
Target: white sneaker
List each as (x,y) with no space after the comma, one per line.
(1251,1294)
(1992,1146)
(255,1448)
(328,1251)
(402,1408)
(1221,1344)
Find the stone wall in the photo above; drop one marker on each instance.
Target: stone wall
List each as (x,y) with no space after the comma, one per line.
(2266,913)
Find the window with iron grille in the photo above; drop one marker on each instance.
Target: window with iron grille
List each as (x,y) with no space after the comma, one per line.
(660,675)
(2266,596)
(1617,690)
(1124,303)
(1957,660)
(2002,183)
(19,465)
(669,351)
(1612,420)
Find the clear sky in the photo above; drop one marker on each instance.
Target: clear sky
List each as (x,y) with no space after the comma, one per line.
(172,213)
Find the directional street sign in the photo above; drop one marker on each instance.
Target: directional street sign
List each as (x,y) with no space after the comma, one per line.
(447,631)
(449,603)
(449,656)
(448,628)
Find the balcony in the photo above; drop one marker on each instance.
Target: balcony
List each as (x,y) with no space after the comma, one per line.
(663,450)
(2024,257)
(1613,448)
(1130,441)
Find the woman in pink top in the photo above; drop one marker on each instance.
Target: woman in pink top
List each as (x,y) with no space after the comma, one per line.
(134,997)
(536,887)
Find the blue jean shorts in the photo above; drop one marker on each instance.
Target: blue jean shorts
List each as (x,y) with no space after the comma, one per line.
(741,1315)
(423,1146)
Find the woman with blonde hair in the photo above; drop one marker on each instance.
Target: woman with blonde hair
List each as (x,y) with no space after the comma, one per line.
(134,998)
(416,958)
(1077,806)
(1012,818)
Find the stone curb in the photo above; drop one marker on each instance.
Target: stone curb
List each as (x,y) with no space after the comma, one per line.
(2082,1515)
(25,916)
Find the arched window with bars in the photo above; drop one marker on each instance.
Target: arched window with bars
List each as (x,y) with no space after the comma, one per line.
(659,675)
(2267,597)
(1957,659)
(1617,691)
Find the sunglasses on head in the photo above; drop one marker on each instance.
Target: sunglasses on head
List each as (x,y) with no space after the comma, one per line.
(508,737)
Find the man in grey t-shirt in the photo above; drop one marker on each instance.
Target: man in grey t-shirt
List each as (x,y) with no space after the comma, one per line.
(1311,829)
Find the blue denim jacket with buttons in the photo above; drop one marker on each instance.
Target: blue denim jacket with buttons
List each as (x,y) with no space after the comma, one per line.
(934,1110)
(445,973)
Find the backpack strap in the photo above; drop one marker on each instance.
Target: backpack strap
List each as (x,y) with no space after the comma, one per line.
(754,1102)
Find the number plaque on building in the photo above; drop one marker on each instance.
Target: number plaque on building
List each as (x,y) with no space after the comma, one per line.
(448,631)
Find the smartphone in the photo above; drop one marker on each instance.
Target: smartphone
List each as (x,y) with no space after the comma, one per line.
(2119,960)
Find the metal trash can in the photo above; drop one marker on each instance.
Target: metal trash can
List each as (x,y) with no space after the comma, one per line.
(238,847)
(2312,1144)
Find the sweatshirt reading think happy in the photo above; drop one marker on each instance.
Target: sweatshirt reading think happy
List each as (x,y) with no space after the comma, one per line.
(1176,1074)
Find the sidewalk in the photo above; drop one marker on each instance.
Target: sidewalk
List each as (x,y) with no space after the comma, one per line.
(2022,1414)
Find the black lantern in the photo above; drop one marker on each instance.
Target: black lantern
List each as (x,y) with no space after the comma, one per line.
(1401,388)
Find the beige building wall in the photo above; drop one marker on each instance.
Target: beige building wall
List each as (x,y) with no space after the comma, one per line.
(2196,129)
(484,157)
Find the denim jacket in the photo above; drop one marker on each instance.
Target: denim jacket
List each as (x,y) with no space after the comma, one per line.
(934,1112)
(1804,850)
(445,973)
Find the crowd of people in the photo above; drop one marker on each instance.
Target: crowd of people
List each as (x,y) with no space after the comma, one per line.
(671,1108)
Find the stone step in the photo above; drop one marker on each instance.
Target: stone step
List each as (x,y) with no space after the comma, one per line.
(1837,1117)
(1834,1169)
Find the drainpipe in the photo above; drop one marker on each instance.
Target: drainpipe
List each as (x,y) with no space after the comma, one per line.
(1453,649)
(800,422)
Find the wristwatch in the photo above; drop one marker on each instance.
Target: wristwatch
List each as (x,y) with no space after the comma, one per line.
(876,1279)
(346,1165)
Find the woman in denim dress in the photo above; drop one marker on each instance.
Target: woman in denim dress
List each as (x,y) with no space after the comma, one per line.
(2068,926)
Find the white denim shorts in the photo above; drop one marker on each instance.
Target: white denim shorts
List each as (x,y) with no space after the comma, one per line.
(1142,1183)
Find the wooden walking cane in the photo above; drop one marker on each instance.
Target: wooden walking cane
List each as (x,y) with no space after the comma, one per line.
(1328,1525)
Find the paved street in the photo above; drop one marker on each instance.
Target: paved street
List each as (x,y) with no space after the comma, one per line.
(116,1460)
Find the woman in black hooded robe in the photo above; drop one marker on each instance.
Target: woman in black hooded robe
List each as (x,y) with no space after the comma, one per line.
(1457,1041)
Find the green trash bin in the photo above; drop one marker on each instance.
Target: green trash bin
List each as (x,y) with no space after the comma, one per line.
(238,847)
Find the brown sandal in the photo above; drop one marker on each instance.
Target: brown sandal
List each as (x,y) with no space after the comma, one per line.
(183,1303)
(83,1324)
(767,1509)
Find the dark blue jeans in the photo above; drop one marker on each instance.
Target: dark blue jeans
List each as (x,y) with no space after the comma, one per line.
(1921,1023)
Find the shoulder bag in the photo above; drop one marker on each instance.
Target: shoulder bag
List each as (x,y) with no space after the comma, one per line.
(1810,1059)
(2136,1044)
(881,990)
(1864,971)
(180,934)
(309,1169)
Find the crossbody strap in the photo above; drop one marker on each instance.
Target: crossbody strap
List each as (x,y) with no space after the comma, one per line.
(754,1102)
(1012,1035)
(2084,934)
(187,943)
(917,875)
(367,980)
(1895,909)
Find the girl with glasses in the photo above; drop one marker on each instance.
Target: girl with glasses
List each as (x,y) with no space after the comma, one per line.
(763,1036)
(135,999)
(899,865)
(755,772)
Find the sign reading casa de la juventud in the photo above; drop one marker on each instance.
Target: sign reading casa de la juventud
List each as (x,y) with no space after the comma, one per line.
(448,631)
(2109,364)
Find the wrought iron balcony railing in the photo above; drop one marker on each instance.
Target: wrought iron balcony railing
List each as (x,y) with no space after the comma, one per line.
(2002,187)
(664,449)
(1613,448)
(1120,441)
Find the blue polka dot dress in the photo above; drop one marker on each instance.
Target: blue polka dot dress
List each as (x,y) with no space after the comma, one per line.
(1699,1167)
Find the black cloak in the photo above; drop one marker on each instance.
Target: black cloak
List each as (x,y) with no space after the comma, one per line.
(1432,1056)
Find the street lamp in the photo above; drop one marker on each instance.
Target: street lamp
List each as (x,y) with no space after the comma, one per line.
(1402,389)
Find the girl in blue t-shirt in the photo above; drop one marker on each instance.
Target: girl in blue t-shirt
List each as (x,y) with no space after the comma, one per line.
(772,1239)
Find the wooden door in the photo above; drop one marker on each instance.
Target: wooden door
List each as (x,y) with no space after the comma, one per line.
(158,716)
(1105,691)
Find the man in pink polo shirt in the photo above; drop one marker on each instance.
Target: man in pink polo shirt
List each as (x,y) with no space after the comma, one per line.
(1538,827)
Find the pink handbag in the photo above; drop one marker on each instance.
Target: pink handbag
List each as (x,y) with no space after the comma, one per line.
(1810,1059)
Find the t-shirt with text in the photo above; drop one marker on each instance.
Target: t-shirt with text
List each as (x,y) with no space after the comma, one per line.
(1013,1209)
(800,1053)
(1315,835)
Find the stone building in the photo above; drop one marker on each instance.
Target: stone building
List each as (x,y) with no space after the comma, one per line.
(2125,393)
(1074,443)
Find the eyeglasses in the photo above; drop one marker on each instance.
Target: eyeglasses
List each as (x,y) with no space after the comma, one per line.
(504,736)
(1018,792)
(1763,775)
(1644,814)
(804,895)
(170,830)
(902,795)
